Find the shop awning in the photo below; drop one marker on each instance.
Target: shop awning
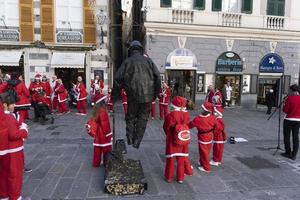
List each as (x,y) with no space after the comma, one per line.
(10,58)
(67,60)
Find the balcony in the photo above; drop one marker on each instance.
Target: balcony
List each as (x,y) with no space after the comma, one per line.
(183,16)
(274,22)
(231,19)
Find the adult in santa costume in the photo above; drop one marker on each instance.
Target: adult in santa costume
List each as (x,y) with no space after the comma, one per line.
(164,97)
(179,116)
(97,84)
(98,94)
(48,90)
(110,100)
(37,92)
(23,104)
(217,99)
(205,124)
(17,133)
(219,137)
(98,127)
(210,94)
(81,97)
(54,94)
(62,97)
(124,100)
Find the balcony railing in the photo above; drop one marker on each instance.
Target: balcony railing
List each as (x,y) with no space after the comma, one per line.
(231,19)
(183,16)
(275,22)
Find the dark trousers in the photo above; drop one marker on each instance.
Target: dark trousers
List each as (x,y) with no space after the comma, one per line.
(288,127)
(136,121)
(269,109)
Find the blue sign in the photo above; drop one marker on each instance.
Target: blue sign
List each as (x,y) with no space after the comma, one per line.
(271,63)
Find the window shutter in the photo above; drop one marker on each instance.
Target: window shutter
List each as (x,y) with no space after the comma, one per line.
(26,20)
(47,21)
(276,7)
(247,6)
(89,26)
(165,3)
(280,8)
(216,5)
(199,4)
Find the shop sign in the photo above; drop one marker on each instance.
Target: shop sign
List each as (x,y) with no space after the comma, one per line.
(182,62)
(69,37)
(229,62)
(9,35)
(271,63)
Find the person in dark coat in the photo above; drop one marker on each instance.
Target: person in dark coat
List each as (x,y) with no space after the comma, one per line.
(270,100)
(139,76)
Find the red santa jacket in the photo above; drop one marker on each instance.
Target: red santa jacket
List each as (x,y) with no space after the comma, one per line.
(100,83)
(109,99)
(164,96)
(97,96)
(3,87)
(218,98)
(81,92)
(47,88)
(172,119)
(219,131)
(99,129)
(210,96)
(62,93)
(292,108)
(23,94)
(55,85)
(205,124)
(36,89)
(16,133)
(3,133)
(124,96)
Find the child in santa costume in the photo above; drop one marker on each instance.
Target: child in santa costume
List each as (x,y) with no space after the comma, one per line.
(17,133)
(124,100)
(205,124)
(62,96)
(219,137)
(98,127)
(48,90)
(164,97)
(109,100)
(178,117)
(97,95)
(81,97)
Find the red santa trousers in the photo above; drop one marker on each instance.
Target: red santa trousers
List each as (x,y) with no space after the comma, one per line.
(23,115)
(125,107)
(204,147)
(62,107)
(183,167)
(4,160)
(163,111)
(81,106)
(98,153)
(15,175)
(218,147)
(153,110)
(54,103)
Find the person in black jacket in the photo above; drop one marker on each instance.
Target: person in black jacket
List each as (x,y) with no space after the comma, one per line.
(139,76)
(270,100)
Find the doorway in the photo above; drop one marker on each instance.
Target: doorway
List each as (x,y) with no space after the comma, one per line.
(13,69)
(182,83)
(264,85)
(235,82)
(69,76)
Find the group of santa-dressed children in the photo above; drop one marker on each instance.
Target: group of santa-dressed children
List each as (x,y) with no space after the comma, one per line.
(177,125)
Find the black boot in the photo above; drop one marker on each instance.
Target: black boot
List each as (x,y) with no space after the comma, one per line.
(286,154)
(129,139)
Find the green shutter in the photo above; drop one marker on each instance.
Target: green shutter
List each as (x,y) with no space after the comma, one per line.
(280,8)
(247,6)
(165,3)
(199,4)
(216,5)
(276,7)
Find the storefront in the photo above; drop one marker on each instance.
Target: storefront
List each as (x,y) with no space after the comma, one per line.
(181,73)
(229,68)
(271,69)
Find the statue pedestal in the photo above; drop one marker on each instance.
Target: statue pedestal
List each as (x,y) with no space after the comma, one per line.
(123,176)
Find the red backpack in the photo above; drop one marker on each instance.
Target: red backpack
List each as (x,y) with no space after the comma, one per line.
(182,134)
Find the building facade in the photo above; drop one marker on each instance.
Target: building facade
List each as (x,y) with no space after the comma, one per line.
(253,44)
(60,37)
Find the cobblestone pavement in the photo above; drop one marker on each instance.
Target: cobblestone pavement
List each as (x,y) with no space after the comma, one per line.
(61,155)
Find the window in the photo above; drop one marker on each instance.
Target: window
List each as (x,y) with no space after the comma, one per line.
(276,7)
(165,3)
(247,6)
(200,83)
(216,5)
(230,6)
(9,13)
(183,4)
(69,14)
(199,4)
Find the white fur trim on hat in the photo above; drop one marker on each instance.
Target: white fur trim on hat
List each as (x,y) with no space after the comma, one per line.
(101,99)
(204,108)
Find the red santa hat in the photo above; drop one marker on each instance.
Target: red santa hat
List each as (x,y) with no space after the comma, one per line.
(100,98)
(38,77)
(207,106)
(178,103)
(219,110)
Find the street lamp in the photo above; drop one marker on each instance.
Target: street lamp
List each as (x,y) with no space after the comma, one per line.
(3,21)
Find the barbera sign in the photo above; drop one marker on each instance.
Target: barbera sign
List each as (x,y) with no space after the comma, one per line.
(229,62)
(271,63)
